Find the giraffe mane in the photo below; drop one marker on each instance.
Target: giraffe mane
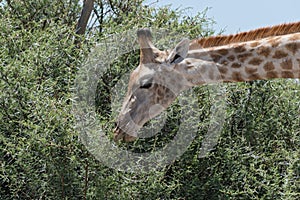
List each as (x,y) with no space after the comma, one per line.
(260,33)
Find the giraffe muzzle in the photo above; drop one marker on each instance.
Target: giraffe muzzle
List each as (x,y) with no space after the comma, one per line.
(120,135)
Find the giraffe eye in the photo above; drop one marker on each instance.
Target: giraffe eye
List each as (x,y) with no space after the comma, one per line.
(146,85)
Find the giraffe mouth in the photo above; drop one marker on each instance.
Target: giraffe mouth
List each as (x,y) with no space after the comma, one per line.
(120,135)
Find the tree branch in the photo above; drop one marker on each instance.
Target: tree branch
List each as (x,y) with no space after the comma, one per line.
(88,6)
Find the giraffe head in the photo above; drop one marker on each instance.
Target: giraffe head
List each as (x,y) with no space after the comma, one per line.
(152,87)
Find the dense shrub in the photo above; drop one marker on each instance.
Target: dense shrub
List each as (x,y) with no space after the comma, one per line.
(257,155)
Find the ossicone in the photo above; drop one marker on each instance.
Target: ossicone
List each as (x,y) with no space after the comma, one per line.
(147,48)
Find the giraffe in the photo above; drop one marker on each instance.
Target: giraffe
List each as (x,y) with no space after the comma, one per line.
(261,54)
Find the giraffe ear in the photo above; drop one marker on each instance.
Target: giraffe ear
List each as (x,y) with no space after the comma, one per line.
(179,53)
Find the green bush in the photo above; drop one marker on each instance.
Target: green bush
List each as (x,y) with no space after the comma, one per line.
(257,155)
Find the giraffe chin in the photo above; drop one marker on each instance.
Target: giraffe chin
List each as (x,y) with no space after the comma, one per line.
(120,135)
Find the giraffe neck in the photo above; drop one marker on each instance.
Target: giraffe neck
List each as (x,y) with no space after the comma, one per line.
(267,58)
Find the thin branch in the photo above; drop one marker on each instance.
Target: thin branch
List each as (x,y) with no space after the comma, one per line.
(88,6)
(86,179)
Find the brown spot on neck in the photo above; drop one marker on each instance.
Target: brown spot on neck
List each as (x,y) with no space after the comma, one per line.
(272,74)
(255,61)
(250,70)
(216,57)
(287,64)
(269,66)
(264,51)
(254,76)
(243,57)
(236,76)
(287,74)
(222,69)
(222,52)
(239,49)
(236,65)
(280,54)
(224,62)
(231,58)
(293,47)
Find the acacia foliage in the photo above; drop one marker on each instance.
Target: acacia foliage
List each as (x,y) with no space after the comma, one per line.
(257,155)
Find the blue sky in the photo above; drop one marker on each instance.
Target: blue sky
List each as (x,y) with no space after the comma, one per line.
(239,15)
